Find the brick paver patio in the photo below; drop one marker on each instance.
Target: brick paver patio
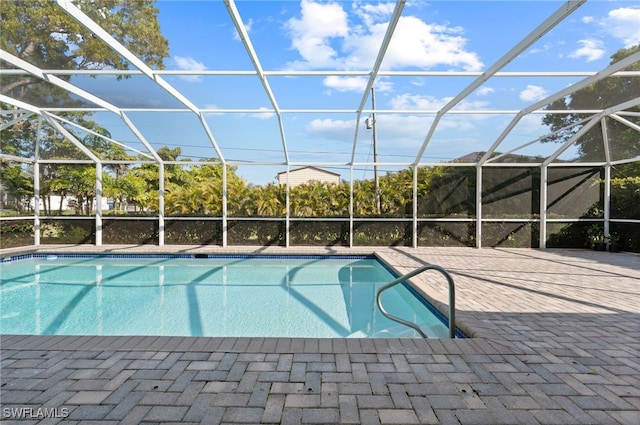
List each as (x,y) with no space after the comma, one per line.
(555,340)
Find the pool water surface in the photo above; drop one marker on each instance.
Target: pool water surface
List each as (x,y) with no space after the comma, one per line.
(234,296)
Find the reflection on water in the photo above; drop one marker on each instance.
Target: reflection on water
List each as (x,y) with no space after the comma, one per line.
(252,297)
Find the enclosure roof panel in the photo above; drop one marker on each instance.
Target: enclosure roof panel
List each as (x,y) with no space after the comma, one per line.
(343,84)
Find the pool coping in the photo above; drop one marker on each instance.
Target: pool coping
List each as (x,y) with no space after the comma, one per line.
(467,325)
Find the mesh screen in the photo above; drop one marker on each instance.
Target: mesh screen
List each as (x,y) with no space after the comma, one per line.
(567,235)
(193,232)
(254,232)
(624,141)
(629,235)
(510,192)
(574,192)
(447,192)
(446,233)
(625,191)
(81,231)
(511,235)
(382,233)
(134,231)
(14,233)
(319,233)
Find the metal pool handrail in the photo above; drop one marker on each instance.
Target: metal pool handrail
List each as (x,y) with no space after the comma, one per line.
(452,306)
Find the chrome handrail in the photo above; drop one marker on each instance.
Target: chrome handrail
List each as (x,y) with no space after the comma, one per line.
(452,307)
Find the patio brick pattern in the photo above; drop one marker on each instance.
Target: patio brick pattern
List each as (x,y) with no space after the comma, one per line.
(555,340)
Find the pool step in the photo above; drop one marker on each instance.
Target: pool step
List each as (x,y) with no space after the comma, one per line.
(399,331)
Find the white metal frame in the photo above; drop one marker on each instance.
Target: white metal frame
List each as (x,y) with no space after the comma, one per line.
(50,115)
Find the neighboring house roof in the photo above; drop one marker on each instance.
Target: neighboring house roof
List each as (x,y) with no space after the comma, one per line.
(306,175)
(309,168)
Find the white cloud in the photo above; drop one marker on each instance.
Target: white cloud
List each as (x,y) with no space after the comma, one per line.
(312,34)
(417,43)
(587,19)
(344,84)
(624,24)
(189,64)
(416,102)
(406,131)
(410,102)
(371,13)
(484,91)
(531,126)
(532,93)
(325,37)
(403,130)
(591,50)
(540,49)
(468,105)
(263,115)
(354,84)
(332,129)
(383,86)
(247,26)
(401,134)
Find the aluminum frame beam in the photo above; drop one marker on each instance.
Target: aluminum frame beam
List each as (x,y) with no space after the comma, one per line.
(630,60)
(33,70)
(50,118)
(625,121)
(338,73)
(116,46)
(248,46)
(22,117)
(592,122)
(557,17)
(393,23)
(75,90)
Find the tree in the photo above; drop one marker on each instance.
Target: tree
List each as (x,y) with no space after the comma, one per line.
(269,200)
(18,183)
(42,34)
(623,140)
(198,191)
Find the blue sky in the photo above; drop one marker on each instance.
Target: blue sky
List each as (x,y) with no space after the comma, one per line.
(312,35)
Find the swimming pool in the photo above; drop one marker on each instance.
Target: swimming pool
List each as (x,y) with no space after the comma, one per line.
(236,296)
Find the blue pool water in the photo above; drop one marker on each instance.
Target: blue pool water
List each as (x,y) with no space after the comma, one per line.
(319,297)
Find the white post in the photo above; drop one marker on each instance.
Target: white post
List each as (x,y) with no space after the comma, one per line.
(376,178)
(607,200)
(225,223)
(98,204)
(36,187)
(36,201)
(544,179)
(351,206)
(287,219)
(161,204)
(607,179)
(415,206)
(479,206)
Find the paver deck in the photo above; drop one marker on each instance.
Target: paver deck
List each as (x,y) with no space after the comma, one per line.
(555,340)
